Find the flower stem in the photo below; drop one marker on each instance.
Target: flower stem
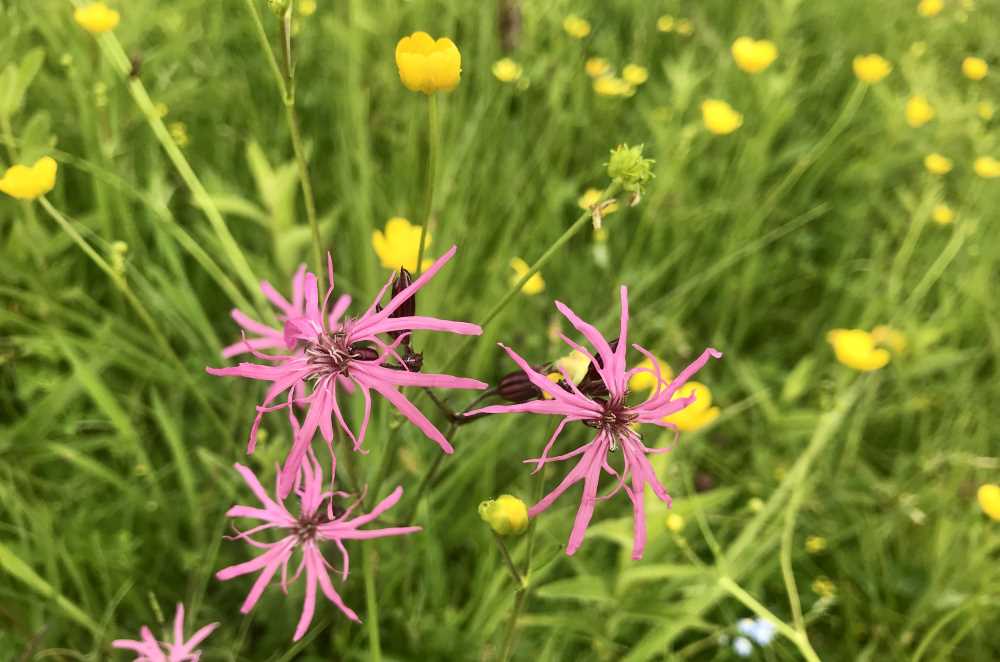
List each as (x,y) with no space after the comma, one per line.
(509,562)
(371,602)
(433,141)
(798,638)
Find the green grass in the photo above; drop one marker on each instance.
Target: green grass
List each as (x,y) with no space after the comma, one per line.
(116,448)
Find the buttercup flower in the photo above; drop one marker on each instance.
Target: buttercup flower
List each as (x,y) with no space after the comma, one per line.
(823,587)
(930,7)
(600,403)
(305,532)
(754,56)
(353,355)
(856,349)
(591,197)
(887,336)
(719,117)
(985,110)
(699,413)
(30,182)
(937,164)
(684,27)
(506,71)
(307,7)
(647,381)
(426,65)
(612,86)
(674,523)
(942,214)
(399,244)
(871,68)
(597,67)
(96,17)
(506,515)
(534,285)
(975,68)
(665,23)
(918,111)
(151,650)
(987,167)
(576,27)
(989,500)
(633,74)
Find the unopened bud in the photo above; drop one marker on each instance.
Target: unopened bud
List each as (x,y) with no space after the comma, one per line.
(409,307)
(516,387)
(629,169)
(118,251)
(506,515)
(278,7)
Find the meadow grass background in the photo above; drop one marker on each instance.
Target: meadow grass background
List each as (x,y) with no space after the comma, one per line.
(115,459)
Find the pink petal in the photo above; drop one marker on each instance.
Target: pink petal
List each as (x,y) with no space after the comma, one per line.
(179,624)
(587,502)
(418,322)
(369,534)
(407,409)
(333,596)
(252,325)
(406,378)
(201,635)
(592,335)
(280,302)
(309,604)
(575,474)
(340,307)
(244,346)
(250,478)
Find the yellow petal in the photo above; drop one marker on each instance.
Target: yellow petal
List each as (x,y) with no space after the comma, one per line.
(989,500)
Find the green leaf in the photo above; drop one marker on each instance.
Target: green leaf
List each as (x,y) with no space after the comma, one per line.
(585,588)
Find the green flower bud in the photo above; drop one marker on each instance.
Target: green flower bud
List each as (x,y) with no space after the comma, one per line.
(506,515)
(627,168)
(278,7)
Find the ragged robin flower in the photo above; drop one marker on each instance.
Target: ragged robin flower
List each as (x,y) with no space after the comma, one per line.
(30,182)
(506,70)
(96,17)
(986,167)
(428,65)
(178,650)
(534,285)
(918,111)
(719,117)
(937,164)
(317,522)
(871,68)
(611,418)
(398,245)
(576,27)
(857,349)
(975,68)
(354,355)
(753,56)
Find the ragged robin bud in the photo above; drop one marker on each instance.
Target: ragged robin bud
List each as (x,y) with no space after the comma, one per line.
(516,387)
(592,384)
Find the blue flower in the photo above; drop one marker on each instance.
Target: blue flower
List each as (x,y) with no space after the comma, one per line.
(742,646)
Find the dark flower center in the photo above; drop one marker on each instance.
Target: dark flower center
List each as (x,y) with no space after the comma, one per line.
(305,528)
(613,420)
(331,355)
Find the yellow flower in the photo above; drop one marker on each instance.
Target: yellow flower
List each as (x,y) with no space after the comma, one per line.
(930,7)
(987,167)
(985,110)
(815,544)
(96,17)
(824,588)
(918,111)
(506,70)
(575,365)
(426,65)
(856,349)
(30,182)
(989,500)
(576,27)
(696,415)
(871,68)
(646,381)
(534,285)
(591,197)
(665,23)
(975,68)
(719,117)
(684,27)
(754,56)
(307,7)
(612,86)
(399,244)
(937,164)
(889,337)
(943,214)
(506,515)
(597,67)
(675,522)
(635,74)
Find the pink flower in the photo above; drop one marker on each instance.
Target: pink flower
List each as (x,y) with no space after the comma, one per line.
(603,407)
(151,650)
(354,354)
(314,525)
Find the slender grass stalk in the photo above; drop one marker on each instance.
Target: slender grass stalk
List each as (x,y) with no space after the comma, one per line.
(785,556)
(433,145)
(796,637)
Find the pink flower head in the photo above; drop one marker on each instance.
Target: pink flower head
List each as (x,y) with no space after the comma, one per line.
(151,650)
(605,409)
(355,353)
(313,526)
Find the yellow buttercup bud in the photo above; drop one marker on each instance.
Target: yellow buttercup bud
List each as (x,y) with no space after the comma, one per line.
(815,544)
(871,68)
(989,500)
(675,523)
(937,164)
(506,70)
(754,56)
(426,65)
(506,515)
(942,214)
(30,182)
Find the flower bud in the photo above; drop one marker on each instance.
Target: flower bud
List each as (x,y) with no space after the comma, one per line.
(409,307)
(278,7)
(627,168)
(506,515)
(516,387)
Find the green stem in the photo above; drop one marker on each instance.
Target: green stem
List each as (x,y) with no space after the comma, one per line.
(787,573)
(371,602)
(798,638)
(433,141)
(509,562)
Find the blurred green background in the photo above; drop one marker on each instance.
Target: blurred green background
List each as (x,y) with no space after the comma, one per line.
(115,457)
